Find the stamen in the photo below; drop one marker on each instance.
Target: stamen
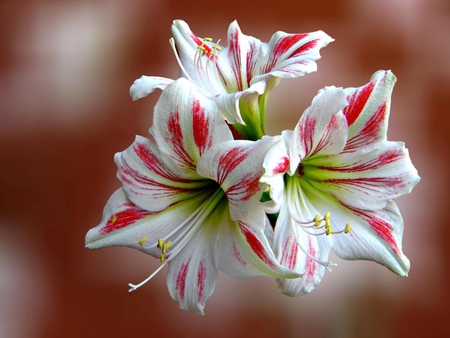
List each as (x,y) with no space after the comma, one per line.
(133,287)
(174,48)
(347,228)
(143,240)
(207,39)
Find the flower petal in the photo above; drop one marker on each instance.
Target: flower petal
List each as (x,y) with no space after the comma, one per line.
(291,244)
(322,129)
(377,237)
(125,224)
(289,55)
(368,110)
(151,180)
(146,85)
(276,163)
(186,124)
(366,178)
(237,166)
(193,273)
(374,235)
(244,250)
(237,61)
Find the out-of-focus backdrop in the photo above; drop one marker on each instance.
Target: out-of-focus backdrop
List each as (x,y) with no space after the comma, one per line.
(65,71)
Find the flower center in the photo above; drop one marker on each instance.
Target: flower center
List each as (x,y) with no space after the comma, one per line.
(301,209)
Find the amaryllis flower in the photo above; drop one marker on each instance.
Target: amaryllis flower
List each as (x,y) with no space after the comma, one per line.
(191,199)
(239,76)
(334,178)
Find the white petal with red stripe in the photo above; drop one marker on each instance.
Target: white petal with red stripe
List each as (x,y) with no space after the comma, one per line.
(186,124)
(237,166)
(322,129)
(151,180)
(366,178)
(300,252)
(368,110)
(373,235)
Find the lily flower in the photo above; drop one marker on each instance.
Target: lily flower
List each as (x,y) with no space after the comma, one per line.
(191,199)
(334,178)
(239,77)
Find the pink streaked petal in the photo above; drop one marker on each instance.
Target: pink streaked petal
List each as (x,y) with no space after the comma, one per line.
(237,61)
(192,274)
(374,235)
(276,164)
(186,124)
(152,181)
(366,178)
(368,110)
(146,85)
(245,250)
(237,166)
(125,224)
(290,55)
(291,243)
(320,130)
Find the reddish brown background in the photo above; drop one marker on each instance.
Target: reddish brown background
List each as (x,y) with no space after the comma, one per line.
(65,71)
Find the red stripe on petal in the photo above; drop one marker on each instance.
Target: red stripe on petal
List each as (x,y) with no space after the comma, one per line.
(381,228)
(289,255)
(356,102)
(181,279)
(368,183)
(176,133)
(246,188)
(200,125)
(310,265)
(256,245)
(237,254)
(282,166)
(235,59)
(123,219)
(370,132)
(383,159)
(150,160)
(229,161)
(304,48)
(287,42)
(201,277)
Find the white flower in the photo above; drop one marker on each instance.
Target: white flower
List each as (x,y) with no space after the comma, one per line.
(191,198)
(334,179)
(239,76)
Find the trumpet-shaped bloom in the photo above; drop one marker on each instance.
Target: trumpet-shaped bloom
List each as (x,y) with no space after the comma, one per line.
(239,76)
(335,177)
(191,199)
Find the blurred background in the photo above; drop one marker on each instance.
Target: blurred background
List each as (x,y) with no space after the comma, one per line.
(65,71)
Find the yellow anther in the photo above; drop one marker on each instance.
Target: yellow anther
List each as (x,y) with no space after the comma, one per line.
(327,230)
(162,258)
(327,220)
(201,48)
(114,219)
(216,47)
(160,243)
(317,220)
(347,228)
(207,39)
(143,240)
(211,53)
